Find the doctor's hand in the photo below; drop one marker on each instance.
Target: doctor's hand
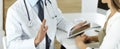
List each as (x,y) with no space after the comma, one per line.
(41,34)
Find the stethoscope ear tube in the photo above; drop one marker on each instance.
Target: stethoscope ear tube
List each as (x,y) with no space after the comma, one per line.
(27,10)
(49,1)
(46,2)
(29,22)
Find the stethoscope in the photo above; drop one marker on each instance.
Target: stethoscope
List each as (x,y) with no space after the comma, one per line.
(30,21)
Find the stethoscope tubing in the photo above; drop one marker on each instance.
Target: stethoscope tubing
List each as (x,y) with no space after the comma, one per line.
(28,11)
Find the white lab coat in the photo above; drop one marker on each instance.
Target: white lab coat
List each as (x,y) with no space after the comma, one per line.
(21,36)
(112,38)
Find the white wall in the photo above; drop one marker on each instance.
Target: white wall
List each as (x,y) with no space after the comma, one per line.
(1,23)
(1,14)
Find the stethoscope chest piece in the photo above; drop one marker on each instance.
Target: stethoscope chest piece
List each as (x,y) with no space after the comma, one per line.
(30,24)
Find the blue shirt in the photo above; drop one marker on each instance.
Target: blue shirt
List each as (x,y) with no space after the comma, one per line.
(34,5)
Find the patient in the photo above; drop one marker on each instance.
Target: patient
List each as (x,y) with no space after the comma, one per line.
(109,36)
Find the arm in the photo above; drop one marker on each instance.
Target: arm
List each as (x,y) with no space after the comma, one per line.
(81,44)
(111,40)
(80,41)
(14,32)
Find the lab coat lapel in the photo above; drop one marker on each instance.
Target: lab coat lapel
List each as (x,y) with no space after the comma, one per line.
(33,18)
(32,13)
(48,14)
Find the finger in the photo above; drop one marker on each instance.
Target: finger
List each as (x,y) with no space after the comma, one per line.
(41,27)
(44,22)
(82,35)
(76,38)
(45,29)
(79,38)
(43,32)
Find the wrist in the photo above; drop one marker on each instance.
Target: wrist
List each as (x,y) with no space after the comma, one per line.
(82,45)
(36,42)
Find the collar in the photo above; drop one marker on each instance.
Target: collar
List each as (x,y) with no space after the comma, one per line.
(33,2)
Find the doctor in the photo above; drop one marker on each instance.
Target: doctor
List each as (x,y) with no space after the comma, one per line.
(32,24)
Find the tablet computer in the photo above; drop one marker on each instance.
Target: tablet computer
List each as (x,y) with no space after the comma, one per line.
(79,31)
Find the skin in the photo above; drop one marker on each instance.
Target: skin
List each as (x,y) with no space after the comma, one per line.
(41,33)
(81,39)
(43,29)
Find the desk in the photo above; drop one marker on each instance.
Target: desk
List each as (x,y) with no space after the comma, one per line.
(71,17)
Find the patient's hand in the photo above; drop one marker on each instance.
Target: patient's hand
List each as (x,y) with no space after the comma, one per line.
(80,41)
(90,39)
(79,25)
(93,38)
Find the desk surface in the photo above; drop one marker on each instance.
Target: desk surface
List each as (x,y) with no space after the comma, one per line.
(92,17)
(71,17)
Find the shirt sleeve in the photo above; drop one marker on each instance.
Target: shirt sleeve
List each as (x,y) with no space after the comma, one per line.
(111,40)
